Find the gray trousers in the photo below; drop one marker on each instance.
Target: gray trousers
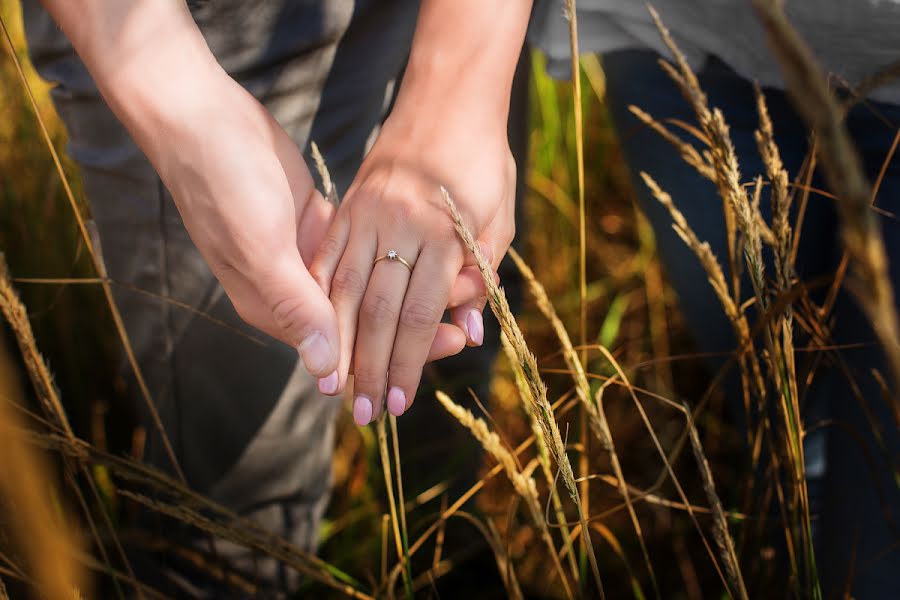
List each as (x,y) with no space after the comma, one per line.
(249,428)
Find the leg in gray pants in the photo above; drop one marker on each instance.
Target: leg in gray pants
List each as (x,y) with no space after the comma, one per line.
(249,428)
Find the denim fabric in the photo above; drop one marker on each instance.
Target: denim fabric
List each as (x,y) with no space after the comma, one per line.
(856,500)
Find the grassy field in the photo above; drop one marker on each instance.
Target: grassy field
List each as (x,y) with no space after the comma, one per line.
(623,438)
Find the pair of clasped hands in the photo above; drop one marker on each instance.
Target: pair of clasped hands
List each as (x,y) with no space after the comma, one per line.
(305,272)
(293,265)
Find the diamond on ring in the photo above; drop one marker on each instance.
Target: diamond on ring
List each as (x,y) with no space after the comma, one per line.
(392,256)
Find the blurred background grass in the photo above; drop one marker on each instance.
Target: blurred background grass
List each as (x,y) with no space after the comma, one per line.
(631,310)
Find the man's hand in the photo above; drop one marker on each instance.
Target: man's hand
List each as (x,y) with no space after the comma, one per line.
(448,128)
(240,184)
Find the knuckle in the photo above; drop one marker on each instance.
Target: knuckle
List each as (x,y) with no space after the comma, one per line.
(289,316)
(347,283)
(421,315)
(399,212)
(379,309)
(405,372)
(330,246)
(367,378)
(510,234)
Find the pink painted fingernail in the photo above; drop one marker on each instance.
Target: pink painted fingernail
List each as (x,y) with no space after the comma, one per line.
(362,410)
(475,325)
(315,352)
(396,401)
(329,385)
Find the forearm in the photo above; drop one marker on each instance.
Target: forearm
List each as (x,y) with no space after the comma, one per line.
(463,59)
(149,61)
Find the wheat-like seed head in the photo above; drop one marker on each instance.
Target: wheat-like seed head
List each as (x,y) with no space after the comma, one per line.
(688,153)
(327,184)
(500,306)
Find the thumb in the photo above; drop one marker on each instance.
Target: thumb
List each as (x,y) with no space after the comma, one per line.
(302,315)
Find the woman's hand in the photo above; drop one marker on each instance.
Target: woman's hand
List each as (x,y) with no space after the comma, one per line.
(388,315)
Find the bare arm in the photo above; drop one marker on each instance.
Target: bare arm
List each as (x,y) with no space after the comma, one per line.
(240,184)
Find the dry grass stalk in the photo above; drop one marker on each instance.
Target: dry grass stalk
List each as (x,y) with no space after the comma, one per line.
(45,533)
(523,484)
(542,453)
(593,410)
(716,156)
(781,196)
(860,229)
(526,360)
(395,443)
(97,262)
(327,183)
(271,547)
(389,487)
(16,315)
(3,594)
(688,153)
(704,254)
(571,13)
(748,221)
(720,523)
(189,506)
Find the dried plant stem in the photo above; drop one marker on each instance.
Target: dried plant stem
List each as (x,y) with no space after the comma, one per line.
(542,454)
(16,315)
(389,486)
(97,263)
(841,164)
(523,484)
(395,443)
(571,10)
(327,183)
(541,406)
(688,153)
(723,537)
(593,411)
(47,538)
(281,552)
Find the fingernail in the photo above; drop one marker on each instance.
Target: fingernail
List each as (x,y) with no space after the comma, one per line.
(329,385)
(315,352)
(475,325)
(396,401)
(362,410)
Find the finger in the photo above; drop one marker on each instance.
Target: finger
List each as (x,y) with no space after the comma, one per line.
(423,307)
(347,288)
(468,286)
(486,251)
(379,316)
(314,225)
(313,212)
(303,316)
(330,251)
(470,320)
(448,341)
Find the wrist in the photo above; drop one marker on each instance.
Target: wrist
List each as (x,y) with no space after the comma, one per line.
(463,59)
